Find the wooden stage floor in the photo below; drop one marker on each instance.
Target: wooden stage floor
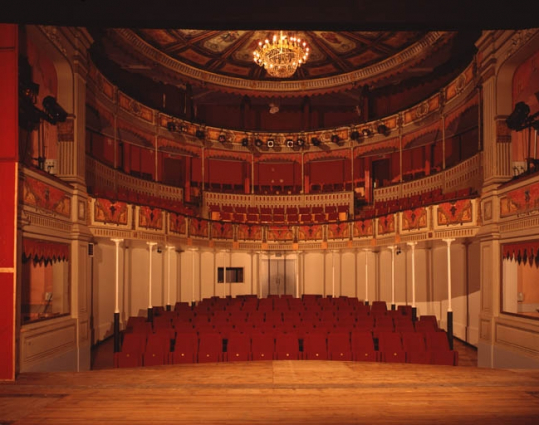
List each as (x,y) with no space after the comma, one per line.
(284,392)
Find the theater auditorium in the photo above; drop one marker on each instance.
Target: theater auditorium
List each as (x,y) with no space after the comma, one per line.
(302,213)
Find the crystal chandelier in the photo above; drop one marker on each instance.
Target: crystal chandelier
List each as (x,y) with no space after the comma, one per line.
(282,55)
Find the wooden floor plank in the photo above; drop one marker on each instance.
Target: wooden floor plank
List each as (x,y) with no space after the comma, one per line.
(285,392)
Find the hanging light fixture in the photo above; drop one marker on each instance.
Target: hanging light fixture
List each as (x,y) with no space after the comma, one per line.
(282,55)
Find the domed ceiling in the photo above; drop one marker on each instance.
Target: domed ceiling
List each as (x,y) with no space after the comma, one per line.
(231,52)
(223,60)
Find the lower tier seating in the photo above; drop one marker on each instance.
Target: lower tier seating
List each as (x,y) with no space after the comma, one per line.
(312,328)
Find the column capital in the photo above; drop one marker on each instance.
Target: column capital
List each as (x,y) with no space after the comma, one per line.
(151,244)
(448,241)
(117,241)
(169,247)
(392,247)
(411,244)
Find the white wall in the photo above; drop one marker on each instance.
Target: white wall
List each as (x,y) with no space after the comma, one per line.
(193,276)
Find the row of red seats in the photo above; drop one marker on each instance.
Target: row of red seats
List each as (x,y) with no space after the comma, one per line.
(190,347)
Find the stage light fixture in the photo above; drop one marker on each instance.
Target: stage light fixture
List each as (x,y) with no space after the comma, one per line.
(301,142)
(270,143)
(519,118)
(335,138)
(245,142)
(258,143)
(221,138)
(366,132)
(354,135)
(54,113)
(383,129)
(199,134)
(289,143)
(315,141)
(171,126)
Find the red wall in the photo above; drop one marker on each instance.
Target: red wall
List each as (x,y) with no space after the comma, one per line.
(277,173)
(225,172)
(8,206)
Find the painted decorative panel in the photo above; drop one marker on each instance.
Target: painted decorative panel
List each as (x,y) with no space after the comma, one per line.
(251,232)
(177,223)
(362,228)
(386,224)
(150,218)
(280,233)
(414,219)
(458,212)
(312,232)
(46,197)
(198,227)
(220,230)
(339,230)
(520,201)
(106,211)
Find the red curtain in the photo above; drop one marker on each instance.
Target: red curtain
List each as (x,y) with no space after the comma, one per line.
(521,251)
(45,251)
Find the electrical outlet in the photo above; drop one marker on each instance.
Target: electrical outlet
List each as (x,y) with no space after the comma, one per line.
(48,296)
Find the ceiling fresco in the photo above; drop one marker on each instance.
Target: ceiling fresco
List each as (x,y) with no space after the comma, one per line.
(231,52)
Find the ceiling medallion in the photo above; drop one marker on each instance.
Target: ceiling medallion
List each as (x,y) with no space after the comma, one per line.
(282,55)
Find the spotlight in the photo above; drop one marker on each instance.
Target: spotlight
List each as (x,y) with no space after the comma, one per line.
(335,138)
(366,132)
(301,142)
(315,141)
(221,138)
(171,126)
(289,143)
(245,142)
(199,134)
(519,117)
(53,111)
(398,251)
(258,143)
(354,135)
(183,128)
(383,129)
(270,143)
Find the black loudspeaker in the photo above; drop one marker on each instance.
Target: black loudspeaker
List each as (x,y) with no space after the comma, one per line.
(91,249)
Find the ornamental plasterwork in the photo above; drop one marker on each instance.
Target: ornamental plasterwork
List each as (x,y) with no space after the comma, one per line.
(411,53)
(520,38)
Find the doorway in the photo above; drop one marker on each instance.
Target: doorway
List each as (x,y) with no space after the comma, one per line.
(277,277)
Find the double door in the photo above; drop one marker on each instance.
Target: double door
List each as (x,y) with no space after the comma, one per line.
(278,277)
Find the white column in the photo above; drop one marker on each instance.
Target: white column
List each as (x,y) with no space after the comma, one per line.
(224,272)
(150,248)
(367,275)
(297,273)
(169,254)
(333,273)
(392,248)
(193,251)
(412,246)
(117,275)
(448,242)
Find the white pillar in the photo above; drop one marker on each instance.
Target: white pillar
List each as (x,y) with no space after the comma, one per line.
(224,273)
(150,248)
(333,273)
(392,248)
(169,254)
(193,251)
(117,275)
(448,242)
(412,246)
(367,275)
(297,273)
